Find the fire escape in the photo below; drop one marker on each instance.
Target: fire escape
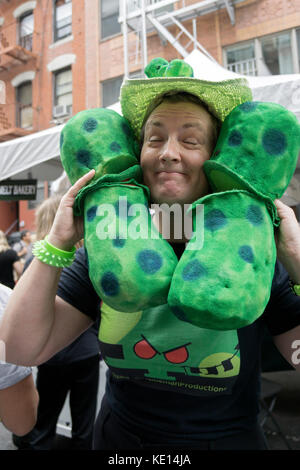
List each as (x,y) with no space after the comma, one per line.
(15,118)
(139,18)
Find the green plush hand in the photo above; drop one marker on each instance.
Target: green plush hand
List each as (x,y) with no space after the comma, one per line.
(130,265)
(226,283)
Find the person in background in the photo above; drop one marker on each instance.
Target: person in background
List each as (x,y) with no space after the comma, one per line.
(18,395)
(9,262)
(75,369)
(23,247)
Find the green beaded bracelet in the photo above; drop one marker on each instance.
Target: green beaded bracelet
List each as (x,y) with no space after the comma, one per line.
(50,254)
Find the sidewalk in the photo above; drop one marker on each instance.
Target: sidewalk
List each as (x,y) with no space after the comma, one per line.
(286,411)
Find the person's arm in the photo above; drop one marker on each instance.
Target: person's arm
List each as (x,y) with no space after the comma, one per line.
(18,406)
(288,344)
(288,251)
(22,252)
(18,267)
(37,323)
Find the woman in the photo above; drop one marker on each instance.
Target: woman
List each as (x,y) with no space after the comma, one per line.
(9,261)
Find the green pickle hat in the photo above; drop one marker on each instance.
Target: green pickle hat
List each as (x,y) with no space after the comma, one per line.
(139,95)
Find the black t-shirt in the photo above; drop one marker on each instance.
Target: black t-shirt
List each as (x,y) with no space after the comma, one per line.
(7,260)
(214,397)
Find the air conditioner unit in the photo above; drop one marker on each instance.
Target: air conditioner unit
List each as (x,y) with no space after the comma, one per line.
(62,110)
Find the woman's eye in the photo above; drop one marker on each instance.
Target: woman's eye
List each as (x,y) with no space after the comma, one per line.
(190,142)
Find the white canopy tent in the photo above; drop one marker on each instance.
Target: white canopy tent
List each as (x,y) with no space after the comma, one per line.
(37,155)
(281,89)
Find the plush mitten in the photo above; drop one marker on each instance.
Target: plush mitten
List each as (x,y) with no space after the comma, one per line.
(226,283)
(130,264)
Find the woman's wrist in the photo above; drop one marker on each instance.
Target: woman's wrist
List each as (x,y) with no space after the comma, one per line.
(48,253)
(60,244)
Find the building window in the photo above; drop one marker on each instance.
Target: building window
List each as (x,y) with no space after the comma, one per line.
(241,59)
(111,91)
(277,53)
(24,105)
(62,19)
(26,31)
(63,87)
(268,55)
(109,18)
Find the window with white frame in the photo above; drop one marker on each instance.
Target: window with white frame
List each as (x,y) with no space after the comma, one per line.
(111,91)
(277,53)
(24,105)
(241,59)
(109,18)
(62,19)
(269,55)
(111,88)
(26,24)
(62,93)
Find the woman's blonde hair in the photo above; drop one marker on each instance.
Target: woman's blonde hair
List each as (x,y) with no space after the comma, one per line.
(4,246)
(44,216)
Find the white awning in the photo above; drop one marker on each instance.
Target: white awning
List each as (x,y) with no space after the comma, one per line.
(35,155)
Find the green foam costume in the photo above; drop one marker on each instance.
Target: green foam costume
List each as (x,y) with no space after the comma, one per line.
(222,281)
(128,273)
(226,284)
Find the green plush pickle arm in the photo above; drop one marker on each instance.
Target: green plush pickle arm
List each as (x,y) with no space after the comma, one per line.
(132,175)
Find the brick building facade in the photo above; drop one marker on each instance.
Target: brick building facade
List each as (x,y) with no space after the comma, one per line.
(58,57)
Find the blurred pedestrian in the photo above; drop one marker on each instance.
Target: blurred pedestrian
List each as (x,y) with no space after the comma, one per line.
(23,247)
(75,369)
(18,396)
(9,262)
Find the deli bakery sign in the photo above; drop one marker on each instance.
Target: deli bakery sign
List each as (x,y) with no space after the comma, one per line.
(12,190)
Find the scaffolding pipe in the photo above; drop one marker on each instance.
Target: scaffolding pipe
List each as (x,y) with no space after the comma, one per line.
(122,4)
(144,34)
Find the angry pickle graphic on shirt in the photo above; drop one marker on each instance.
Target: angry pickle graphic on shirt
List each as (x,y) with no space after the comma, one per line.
(156,348)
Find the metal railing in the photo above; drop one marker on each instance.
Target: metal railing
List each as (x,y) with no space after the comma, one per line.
(244,67)
(26,42)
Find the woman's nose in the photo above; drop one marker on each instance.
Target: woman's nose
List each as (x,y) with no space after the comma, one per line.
(170,151)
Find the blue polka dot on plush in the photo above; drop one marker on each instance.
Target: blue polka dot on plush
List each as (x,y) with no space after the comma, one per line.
(110,284)
(83,157)
(149,261)
(254,215)
(235,139)
(115,147)
(126,129)
(179,313)
(61,140)
(90,124)
(274,142)
(215,220)
(249,106)
(246,253)
(118,242)
(91,213)
(193,270)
